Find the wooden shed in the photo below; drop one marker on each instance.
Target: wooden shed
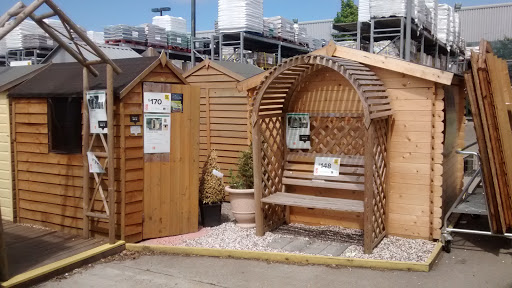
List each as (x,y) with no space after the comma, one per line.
(155,194)
(224,110)
(415,175)
(10,77)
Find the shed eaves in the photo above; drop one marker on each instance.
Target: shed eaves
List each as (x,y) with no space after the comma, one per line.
(65,79)
(244,70)
(12,76)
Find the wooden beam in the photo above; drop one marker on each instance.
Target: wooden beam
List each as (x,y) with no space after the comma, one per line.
(396,65)
(45,15)
(64,18)
(49,30)
(85,146)
(258,180)
(8,27)
(110,143)
(14,11)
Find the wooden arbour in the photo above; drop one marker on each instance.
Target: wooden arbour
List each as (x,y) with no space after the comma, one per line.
(363,169)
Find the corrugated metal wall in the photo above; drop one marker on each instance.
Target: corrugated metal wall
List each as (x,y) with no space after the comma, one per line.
(491,22)
(319,29)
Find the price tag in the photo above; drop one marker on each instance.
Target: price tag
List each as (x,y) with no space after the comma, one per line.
(327,166)
(157,102)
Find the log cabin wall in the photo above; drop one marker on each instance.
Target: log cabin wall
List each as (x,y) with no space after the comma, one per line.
(225,124)
(417,165)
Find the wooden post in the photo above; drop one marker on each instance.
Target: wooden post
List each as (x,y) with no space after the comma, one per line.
(4,271)
(368,189)
(258,185)
(110,144)
(85,146)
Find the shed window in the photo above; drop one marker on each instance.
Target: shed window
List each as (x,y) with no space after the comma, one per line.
(65,123)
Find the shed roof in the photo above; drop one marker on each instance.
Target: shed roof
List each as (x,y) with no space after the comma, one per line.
(59,55)
(12,76)
(65,79)
(239,71)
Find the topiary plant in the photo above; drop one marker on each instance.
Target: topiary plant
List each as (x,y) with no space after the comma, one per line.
(245,177)
(211,189)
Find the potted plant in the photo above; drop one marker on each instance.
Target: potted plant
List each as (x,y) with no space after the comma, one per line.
(241,191)
(211,192)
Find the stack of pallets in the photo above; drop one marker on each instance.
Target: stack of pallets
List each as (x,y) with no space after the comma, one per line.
(490,95)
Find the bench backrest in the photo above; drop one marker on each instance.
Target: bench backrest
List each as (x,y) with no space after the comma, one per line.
(299,168)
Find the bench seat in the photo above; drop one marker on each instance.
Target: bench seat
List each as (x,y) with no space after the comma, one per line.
(289,199)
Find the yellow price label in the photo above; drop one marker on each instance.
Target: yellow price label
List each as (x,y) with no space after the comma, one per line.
(336,161)
(166,96)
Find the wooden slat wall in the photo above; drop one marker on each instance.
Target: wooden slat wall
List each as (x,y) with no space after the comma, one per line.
(133,161)
(8,210)
(224,118)
(49,185)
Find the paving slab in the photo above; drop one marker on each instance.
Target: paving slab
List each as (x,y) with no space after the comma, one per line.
(315,247)
(279,243)
(335,249)
(297,245)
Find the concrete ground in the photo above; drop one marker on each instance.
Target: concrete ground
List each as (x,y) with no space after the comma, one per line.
(473,262)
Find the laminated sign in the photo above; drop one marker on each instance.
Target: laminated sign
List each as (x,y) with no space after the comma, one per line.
(96,101)
(327,166)
(176,103)
(94,164)
(157,133)
(155,102)
(297,131)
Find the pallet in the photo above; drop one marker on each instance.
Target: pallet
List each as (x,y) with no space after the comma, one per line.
(488,86)
(125,42)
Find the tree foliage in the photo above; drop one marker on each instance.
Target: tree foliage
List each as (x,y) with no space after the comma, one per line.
(348,13)
(503,49)
(245,177)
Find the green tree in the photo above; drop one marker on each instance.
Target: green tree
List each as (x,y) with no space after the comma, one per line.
(348,13)
(503,49)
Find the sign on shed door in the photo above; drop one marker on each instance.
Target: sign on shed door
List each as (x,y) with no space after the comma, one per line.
(170,178)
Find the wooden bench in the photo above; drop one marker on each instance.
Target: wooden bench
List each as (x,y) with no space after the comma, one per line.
(299,172)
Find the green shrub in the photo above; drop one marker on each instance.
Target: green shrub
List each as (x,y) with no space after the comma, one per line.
(245,177)
(211,189)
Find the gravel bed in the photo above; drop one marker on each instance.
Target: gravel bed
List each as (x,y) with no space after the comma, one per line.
(230,236)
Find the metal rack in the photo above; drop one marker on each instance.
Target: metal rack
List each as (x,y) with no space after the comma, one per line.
(35,55)
(472,201)
(240,43)
(403,31)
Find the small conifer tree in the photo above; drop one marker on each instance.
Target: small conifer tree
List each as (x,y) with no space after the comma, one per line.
(211,189)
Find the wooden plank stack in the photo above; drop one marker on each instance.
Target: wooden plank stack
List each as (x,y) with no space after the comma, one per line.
(490,93)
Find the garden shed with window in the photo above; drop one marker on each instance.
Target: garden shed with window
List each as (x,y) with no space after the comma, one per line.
(47,141)
(394,125)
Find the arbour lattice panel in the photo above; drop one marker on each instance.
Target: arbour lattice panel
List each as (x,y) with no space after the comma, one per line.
(345,135)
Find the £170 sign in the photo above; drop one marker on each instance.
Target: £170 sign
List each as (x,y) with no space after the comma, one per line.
(155,102)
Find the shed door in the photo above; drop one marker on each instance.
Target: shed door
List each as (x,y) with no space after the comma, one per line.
(170,179)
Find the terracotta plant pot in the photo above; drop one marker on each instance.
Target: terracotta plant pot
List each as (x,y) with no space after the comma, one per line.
(242,206)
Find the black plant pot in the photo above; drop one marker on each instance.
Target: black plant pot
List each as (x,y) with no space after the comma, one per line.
(210,214)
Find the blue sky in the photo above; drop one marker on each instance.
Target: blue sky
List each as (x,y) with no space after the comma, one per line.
(95,14)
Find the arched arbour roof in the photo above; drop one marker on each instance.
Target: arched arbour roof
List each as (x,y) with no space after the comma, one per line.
(276,89)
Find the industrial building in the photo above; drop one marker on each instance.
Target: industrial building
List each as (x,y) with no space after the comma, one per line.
(490,22)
